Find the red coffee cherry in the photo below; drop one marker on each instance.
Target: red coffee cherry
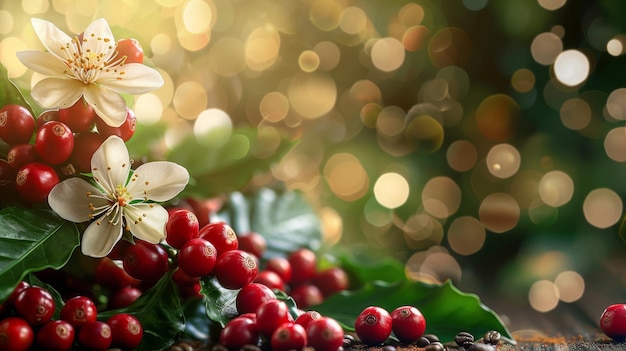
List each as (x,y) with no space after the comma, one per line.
(79,117)
(408,324)
(303,264)
(10,301)
(95,336)
(17,124)
(307,295)
(35,305)
(182,226)
(331,281)
(54,142)
(110,275)
(270,315)
(221,235)
(46,116)
(239,332)
(324,334)
(270,279)
(145,261)
(373,325)
(613,321)
(253,243)
(22,154)
(280,266)
(56,336)
(34,182)
(15,334)
(181,279)
(251,296)
(289,336)
(124,297)
(124,131)
(85,144)
(197,257)
(234,269)
(126,330)
(78,311)
(130,49)
(307,317)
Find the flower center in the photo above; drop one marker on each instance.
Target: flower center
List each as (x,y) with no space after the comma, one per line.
(122,195)
(88,56)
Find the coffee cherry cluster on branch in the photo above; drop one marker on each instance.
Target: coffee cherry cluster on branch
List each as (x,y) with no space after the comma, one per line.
(26,321)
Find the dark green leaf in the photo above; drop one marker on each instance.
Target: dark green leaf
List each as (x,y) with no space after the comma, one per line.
(9,93)
(220,169)
(30,241)
(160,314)
(220,302)
(446,309)
(197,326)
(286,220)
(363,270)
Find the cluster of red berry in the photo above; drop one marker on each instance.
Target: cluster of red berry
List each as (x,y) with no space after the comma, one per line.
(28,320)
(57,144)
(374,324)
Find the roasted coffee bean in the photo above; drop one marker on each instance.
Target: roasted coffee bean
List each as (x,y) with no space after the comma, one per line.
(348,340)
(423,342)
(219,347)
(431,337)
(388,348)
(249,347)
(492,337)
(434,346)
(479,346)
(464,339)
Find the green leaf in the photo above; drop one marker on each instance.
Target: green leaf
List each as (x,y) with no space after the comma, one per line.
(160,314)
(9,93)
(219,302)
(366,269)
(216,170)
(32,240)
(285,219)
(446,309)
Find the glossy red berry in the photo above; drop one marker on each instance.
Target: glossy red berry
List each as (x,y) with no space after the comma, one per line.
(280,266)
(46,116)
(79,117)
(85,145)
(373,325)
(303,266)
(125,131)
(111,275)
(270,315)
(324,334)
(307,295)
(197,257)
(408,324)
(17,124)
(145,261)
(78,311)
(331,281)
(54,142)
(239,332)
(35,305)
(307,317)
(124,297)
(182,226)
(10,301)
(613,321)
(130,50)
(56,335)
(221,235)
(270,279)
(34,182)
(251,296)
(21,154)
(95,336)
(181,279)
(16,334)
(234,269)
(126,331)
(253,243)
(289,336)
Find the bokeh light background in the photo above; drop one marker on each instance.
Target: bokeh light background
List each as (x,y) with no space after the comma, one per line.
(479,141)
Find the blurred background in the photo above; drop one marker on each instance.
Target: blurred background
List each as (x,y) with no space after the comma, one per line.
(473,140)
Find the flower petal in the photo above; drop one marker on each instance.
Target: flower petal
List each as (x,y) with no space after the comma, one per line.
(57,92)
(146,221)
(52,38)
(98,38)
(132,78)
(158,181)
(70,200)
(43,62)
(108,104)
(110,164)
(98,239)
